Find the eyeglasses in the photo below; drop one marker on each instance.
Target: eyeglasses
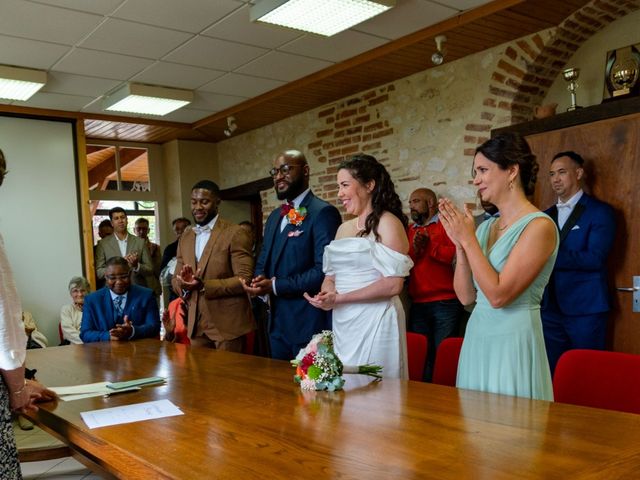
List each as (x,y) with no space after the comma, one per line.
(111,278)
(283,169)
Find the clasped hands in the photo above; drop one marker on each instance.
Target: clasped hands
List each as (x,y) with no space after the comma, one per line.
(122,331)
(132,259)
(323,300)
(258,286)
(459,225)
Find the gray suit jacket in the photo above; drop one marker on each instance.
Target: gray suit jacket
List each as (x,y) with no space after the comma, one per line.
(108,248)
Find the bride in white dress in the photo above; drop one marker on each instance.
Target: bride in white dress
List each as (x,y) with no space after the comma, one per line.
(365,268)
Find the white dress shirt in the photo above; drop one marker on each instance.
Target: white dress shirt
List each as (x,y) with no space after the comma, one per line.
(565,209)
(122,244)
(203,233)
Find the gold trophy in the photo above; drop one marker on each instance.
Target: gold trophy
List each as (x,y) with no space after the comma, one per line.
(571,75)
(622,72)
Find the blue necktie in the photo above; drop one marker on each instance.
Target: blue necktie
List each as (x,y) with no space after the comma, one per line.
(118,303)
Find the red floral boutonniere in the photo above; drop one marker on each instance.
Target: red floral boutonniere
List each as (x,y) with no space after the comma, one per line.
(296,216)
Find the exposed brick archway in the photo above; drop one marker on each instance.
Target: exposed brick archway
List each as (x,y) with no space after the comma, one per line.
(528,68)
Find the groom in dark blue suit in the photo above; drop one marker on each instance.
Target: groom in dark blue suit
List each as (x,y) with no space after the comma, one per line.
(120,310)
(290,262)
(576,304)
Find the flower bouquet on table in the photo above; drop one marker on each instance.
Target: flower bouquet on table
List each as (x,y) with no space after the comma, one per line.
(319,368)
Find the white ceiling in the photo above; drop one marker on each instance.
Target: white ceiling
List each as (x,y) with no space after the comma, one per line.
(90,47)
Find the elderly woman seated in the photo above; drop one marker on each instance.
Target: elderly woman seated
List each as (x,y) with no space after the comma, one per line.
(71,315)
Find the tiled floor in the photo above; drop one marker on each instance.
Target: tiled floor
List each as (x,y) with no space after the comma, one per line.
(58,469)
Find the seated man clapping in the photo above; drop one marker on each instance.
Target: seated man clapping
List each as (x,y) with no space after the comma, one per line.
(120,310)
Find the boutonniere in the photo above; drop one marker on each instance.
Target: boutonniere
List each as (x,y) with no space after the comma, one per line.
(296,216)
(295,233)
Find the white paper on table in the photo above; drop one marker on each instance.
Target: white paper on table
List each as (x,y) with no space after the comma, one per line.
(130,413)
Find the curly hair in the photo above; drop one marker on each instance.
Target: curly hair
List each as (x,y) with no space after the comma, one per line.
(507,149)
(365,168)
(3,167)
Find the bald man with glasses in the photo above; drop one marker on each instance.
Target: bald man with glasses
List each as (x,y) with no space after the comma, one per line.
(290,262)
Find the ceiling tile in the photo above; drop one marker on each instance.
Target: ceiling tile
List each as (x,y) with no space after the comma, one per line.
(29,53)
(101,7)
(176,75)
(214,53)
(186,15)
(214,102)
(69,84)
(101,64)
(283,66)
(405,18)
(238,27)
(337,48)
(42,22)
(56,101)
(241,85)
(187,115)
(129,38)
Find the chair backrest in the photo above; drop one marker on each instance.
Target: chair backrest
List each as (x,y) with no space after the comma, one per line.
(445,369)
(595,378)
(249,340)
(416,355)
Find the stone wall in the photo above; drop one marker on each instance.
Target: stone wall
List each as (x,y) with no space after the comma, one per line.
(424,127)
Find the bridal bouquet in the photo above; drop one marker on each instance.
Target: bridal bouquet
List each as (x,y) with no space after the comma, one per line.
(319,368)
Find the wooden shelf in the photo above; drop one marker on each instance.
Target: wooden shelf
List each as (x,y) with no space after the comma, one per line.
(609,109)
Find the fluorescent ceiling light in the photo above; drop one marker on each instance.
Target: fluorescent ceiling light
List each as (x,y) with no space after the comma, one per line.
(147,99)
(324,17)
(20,83)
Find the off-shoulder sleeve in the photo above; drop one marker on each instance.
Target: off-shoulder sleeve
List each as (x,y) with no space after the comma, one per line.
(13,340)
(389,262)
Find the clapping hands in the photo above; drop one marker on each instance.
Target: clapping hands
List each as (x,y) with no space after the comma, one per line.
(460,226)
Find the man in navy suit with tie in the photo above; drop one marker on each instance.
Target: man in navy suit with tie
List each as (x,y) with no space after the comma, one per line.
(119,311)
(576,304)
(290,262)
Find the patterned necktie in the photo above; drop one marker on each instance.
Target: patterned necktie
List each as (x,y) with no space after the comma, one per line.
(118,303)
(285,208)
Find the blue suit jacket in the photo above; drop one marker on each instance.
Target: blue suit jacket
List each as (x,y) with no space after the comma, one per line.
(296,262)
(98,316)
(578,284)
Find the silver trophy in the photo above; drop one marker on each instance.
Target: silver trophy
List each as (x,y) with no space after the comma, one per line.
(571,75)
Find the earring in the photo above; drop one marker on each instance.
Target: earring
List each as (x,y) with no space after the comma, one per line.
(510,184)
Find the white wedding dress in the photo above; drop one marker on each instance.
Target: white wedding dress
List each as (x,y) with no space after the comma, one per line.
(370,332)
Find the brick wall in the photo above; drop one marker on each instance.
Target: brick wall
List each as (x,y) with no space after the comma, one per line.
(424,128)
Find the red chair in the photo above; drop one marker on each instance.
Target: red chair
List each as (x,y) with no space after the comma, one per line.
(416,355)
(595,378)
(445,369)
(249,340)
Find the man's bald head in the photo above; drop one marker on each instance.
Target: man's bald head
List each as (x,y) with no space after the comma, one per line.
(423,204)
(290,174)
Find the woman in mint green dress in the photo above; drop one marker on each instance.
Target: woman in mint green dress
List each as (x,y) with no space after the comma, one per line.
(503,267)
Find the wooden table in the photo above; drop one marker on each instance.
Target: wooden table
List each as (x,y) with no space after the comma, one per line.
(245,418)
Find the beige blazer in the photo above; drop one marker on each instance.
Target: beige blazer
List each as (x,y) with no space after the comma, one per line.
(223,310)
(108,248)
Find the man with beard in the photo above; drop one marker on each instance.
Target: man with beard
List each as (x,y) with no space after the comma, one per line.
(576,303)
(213,261)
(290,262)
(435,311)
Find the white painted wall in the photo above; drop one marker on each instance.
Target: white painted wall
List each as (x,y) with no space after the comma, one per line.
(39,215)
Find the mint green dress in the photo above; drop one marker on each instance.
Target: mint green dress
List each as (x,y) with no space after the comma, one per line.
(503,349)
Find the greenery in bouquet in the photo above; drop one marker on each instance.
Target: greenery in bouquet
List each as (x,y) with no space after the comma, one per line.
(319,368)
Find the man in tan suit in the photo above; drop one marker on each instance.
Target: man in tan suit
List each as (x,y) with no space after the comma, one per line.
(213,257)
(122,244)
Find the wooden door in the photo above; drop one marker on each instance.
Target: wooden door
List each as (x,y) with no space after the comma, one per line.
(611,149)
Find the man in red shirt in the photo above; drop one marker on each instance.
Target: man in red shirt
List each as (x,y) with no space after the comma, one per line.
(435,310)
